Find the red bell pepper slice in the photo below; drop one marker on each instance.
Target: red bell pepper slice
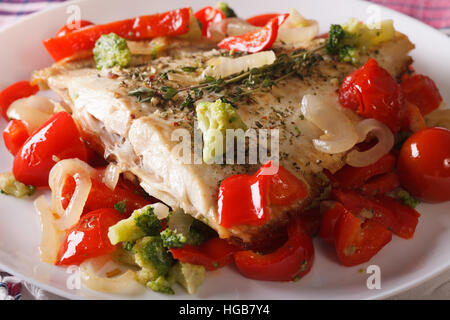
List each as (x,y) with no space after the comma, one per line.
(18,90)
(171,23)
(88,238)
(256,193)
(373,93)
(255,41)
(394,216)
(352,178)
(262,19)
(357,242)
(421,91)
(381,184)
(329,221)
(207,16)
(291,261)
(15,135)
(100,196)
(213,254)
(57,137)
(68,28)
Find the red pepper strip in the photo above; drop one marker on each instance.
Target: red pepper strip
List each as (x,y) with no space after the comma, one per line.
(262,19)
(413,119)
(100,196)
(398,218)
(18,90)
(291,261)
(171,23)
(207,16)
(57,137)
(255,41)
(329,221)
(69,28)
(15,135)
(88,238)
(245,199)
(381,184)
(357,242)
(421,91)
(213,254)
(351,178)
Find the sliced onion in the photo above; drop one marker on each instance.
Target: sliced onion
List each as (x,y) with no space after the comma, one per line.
(297,29)
(224,66)
(124,283)
(111,176)
(81,173)
(340,134)
(50,237)
(33,111)
(160,210)
(152,47)
(180,222)
(229,27)
(384,145)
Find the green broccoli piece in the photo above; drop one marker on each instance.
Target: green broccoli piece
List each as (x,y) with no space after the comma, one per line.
(162,285)
(336,35)
(190,276)
(143,222)
(214,118)
(111,50)
(171,239)
(349,54)
(10,186)
(227,11)
(152,257)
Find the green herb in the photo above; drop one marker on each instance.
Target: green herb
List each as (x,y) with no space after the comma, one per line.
(189,69)
(406,198)
(168,92)
(121,206)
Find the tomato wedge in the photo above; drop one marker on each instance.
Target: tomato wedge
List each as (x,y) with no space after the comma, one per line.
(357,242)
(57,137)
(15,135)
(100,196)
(18,90)
(69,28)
(262,19)
(213,254)
(88,238)
(171,23)
(207,16)
(291,261)
(373,93)
(255,41)
(421,91)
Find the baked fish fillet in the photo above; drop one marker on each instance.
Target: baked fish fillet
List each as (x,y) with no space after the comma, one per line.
(137,135)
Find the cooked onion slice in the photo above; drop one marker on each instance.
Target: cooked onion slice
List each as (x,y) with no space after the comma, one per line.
(49,247)
(340,134)
(229,27)
(111,176)
(33,111)
(160,210)
(124,283)
(385,143)
(297,29)
(223,66)
(81,172)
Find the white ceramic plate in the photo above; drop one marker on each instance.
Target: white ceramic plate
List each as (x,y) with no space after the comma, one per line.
(403,263)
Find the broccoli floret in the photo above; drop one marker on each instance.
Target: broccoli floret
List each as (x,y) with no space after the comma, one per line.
(227,11)
(353,38)
(171,239)
(214,118)
(143,222)
(152,257)
(162,285)
(10,186)
(111,50)
(190,276)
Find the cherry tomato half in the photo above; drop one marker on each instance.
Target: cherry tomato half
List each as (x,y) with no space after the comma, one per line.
(424,165)
(421,91)
(21,89)
(15,135)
